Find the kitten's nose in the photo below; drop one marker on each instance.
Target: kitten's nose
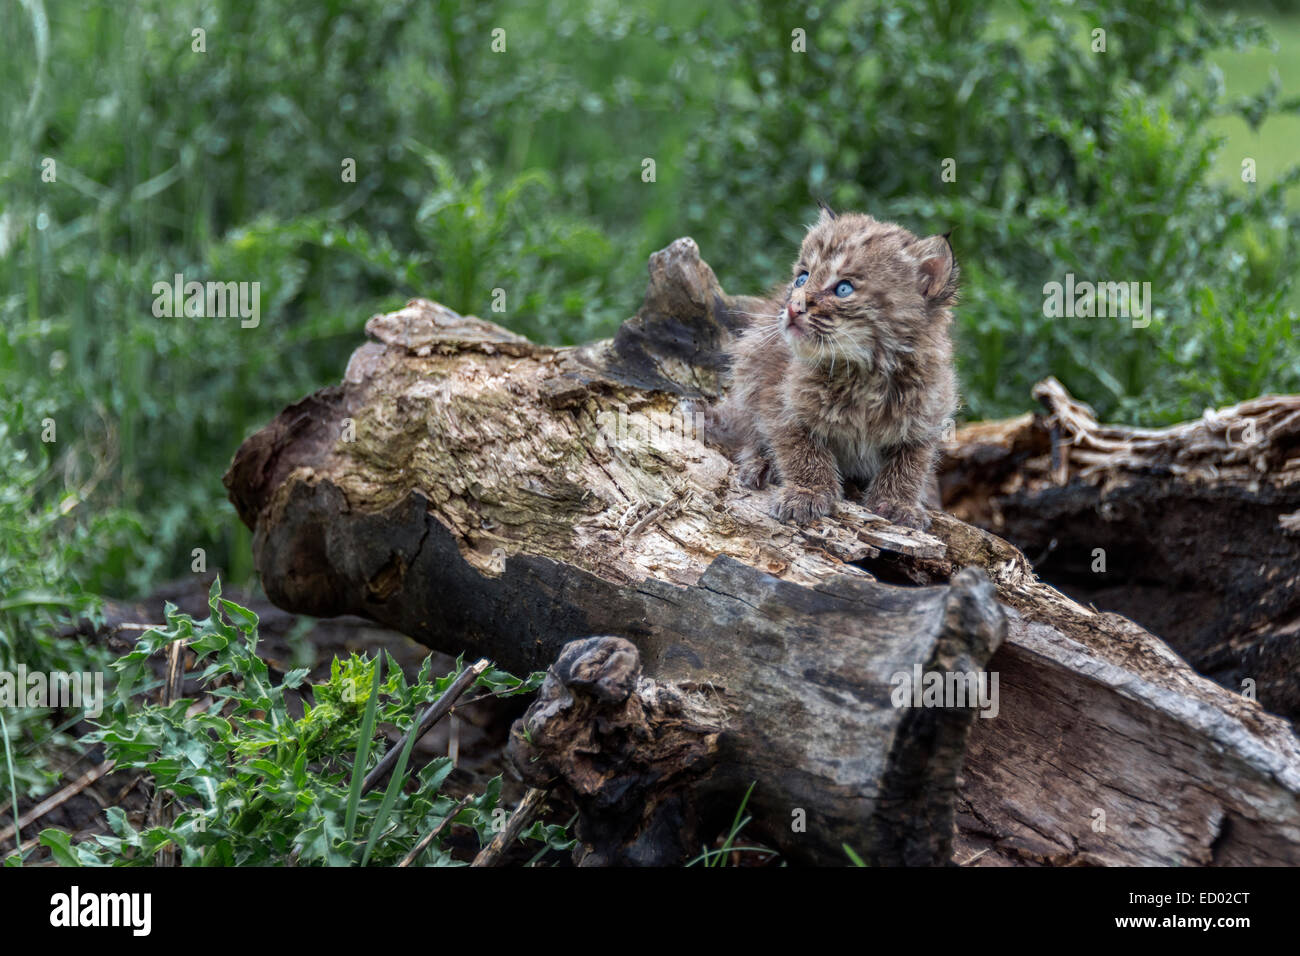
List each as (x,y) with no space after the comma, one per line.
(792,310)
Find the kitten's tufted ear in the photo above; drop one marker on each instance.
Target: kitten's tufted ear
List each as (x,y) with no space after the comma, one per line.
(938,272)
(827,212)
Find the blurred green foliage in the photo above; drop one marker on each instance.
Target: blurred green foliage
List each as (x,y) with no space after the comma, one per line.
(1067,161)
(521,170)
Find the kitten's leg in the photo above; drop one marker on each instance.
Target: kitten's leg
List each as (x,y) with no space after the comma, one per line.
(811,477)
(755,467)
(896,493)
(931,497)
(720,425)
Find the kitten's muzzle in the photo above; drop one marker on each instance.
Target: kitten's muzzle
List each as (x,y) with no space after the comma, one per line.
(793,327)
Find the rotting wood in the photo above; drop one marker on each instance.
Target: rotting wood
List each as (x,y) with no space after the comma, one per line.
(483,493)
(1189,530)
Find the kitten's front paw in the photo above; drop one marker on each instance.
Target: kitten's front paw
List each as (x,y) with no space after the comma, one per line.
(900,512)
(754,473)
(802,505)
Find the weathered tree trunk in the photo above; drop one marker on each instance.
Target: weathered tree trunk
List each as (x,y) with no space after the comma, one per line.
(483,493)
(1192,531)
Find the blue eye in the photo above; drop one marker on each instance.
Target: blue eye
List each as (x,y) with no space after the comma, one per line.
(803,277)
(844,289)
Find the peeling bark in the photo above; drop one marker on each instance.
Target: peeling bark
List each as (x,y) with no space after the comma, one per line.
(1189,530)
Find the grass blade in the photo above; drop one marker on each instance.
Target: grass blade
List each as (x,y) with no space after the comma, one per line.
(390,796)
(13,786)
(363,748)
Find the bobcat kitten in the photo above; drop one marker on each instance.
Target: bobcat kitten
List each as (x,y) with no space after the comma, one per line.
(848,375)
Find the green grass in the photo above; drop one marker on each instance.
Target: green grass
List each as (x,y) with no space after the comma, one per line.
(248,784)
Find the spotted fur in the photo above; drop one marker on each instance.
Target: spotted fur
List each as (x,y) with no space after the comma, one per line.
(829,390)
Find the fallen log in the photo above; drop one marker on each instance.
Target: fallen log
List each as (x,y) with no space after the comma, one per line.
(1192,530)
(482,493)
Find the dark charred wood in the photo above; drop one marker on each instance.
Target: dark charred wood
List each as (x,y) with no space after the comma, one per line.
(1186,530)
